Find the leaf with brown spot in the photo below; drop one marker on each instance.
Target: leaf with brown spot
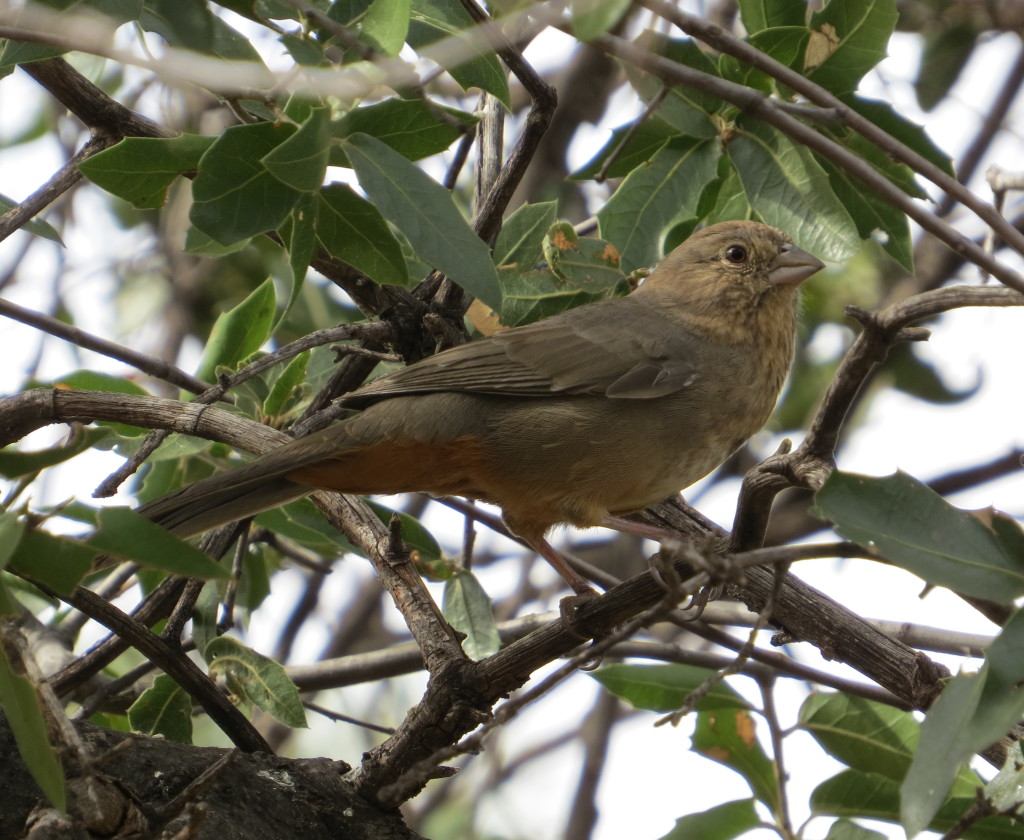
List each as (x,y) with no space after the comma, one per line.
(729,737)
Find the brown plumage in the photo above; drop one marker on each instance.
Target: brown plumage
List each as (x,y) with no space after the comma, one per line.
(602,410)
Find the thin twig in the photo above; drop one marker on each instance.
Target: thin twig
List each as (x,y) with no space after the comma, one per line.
(171,661)
(67,176)
(992,118)
(110,485)
(782,816)
(157,368)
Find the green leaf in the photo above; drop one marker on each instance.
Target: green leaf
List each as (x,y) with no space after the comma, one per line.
(980,553)
(590,265)
(728,737)
(426,214)
(637,147)
(766,14)
(1002,699)
(877,218)
(519,241)
(411,127)
(788,189)
(885,116)
(592,18)
(468,610)
(687,110)
(179,446)
(21,52)
(58,562)
(204,615)
(182,23)
(299,236)
(945,54)
(94,380)
(15,463)
(163,709)
(867,796)
(786,44)
(945,746)
(528,296)
(301,160)
(863,735)
(258,679)
(200,244)
(949,737)
(385,25)
(254,584)
(11,530)
(872,214)
(973,711)
(848,38)
(847,830)
(669,187)
(731,198)
(191,25)
(36,226)
(8,604)
(474,64)
(235,196)
(302,522)
(285,384)
(722,822)
(24,712)
(664,688)
(239,332)
(351,229)
(305,51)
(129,536)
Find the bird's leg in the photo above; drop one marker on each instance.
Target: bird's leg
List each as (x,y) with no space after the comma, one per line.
(561,565)
(640,529)
(671,548)
(584,591)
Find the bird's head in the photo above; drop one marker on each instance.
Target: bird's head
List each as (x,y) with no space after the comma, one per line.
(731,278)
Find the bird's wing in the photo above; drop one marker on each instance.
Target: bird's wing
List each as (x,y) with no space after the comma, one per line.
(621,349)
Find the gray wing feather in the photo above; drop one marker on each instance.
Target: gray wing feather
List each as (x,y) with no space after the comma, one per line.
(584,351)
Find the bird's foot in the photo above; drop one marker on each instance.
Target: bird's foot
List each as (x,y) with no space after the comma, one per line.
(569,607)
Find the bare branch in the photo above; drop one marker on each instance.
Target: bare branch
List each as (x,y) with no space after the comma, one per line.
(156,368)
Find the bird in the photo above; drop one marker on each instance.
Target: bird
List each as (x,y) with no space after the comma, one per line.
(577,419)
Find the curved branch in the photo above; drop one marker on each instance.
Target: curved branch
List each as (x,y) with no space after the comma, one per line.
(157,368)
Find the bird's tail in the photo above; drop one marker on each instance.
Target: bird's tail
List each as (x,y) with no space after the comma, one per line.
(222,498)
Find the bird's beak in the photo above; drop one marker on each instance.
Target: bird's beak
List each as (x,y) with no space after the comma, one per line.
(792,266)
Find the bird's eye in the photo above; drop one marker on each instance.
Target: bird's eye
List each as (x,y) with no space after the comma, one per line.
(736,254)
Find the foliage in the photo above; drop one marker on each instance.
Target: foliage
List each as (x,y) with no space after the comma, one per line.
(305,166)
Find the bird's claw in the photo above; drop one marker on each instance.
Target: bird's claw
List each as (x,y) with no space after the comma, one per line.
(570,605)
